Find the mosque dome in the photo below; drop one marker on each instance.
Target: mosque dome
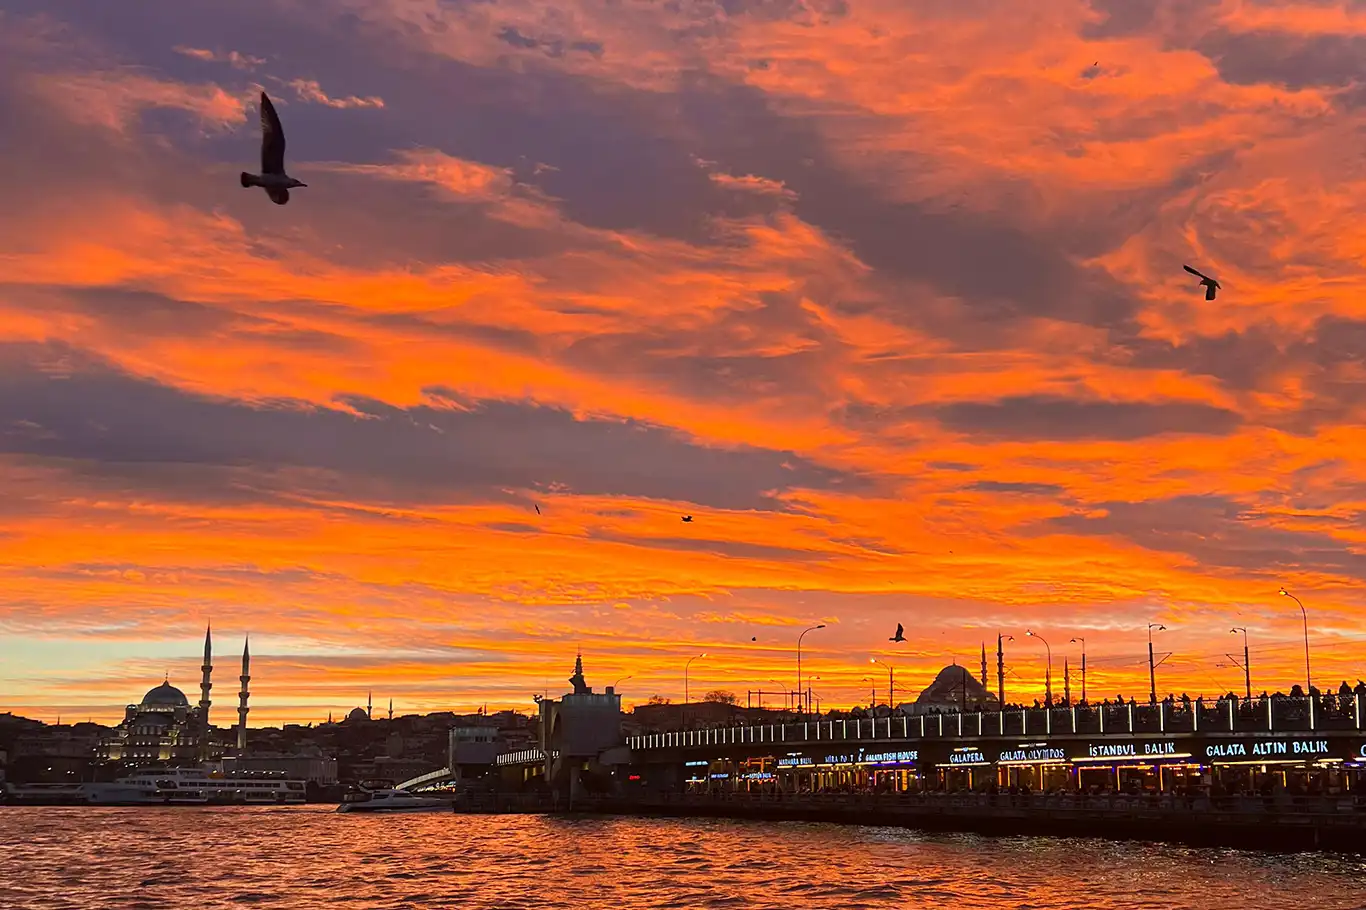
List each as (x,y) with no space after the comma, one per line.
(952,689)
(165,695)
(357,714)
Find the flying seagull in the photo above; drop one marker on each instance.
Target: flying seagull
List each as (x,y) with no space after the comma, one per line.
(1210,284)
(272,178)
(687,518)
(899,636)
(538,508)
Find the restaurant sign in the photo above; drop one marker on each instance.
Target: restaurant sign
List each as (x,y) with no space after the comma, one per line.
(1275,749)
(968,755)
(796,761)
(1033,754)
(1131,749)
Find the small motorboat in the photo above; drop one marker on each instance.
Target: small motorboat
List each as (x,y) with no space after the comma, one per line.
(392,801)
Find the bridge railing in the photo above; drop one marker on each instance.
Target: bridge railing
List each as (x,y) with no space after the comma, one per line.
(1275,714)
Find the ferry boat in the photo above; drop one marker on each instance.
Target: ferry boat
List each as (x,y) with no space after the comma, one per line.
(194,786)
(164,787)
(395,801)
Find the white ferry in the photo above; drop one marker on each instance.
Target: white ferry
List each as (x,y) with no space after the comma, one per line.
(395,801)
(194,786)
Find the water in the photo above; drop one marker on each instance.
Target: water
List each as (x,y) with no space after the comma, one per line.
(311,857)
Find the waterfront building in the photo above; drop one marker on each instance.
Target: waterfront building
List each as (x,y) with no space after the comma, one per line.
(310,766)
(1279,745)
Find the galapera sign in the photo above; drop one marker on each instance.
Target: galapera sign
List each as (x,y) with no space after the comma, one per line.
(1269,748)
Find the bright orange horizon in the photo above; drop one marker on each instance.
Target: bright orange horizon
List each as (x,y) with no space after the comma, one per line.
(887,296)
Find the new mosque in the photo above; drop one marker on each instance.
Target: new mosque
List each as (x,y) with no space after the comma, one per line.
(165,727)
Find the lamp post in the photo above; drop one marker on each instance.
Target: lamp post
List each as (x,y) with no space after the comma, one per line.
(1082,641)
(1048,674)
(686,666)
(622,680)
(809,699)
(869,679)
(891,682)
(1308,680)
(1247,664)
(1152,667)
(800,705)
(786,692)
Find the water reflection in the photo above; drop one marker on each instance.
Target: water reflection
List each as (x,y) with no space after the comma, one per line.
(305,858)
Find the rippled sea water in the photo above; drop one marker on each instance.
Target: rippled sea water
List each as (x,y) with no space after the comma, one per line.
(310,857)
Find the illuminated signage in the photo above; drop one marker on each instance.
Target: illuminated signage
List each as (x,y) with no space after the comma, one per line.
(967,756)
(1033,754)
(758,775)
(720,776)
(1130,750)
(845,759)
(695,764)
(794,761)
(1268,748)
(887,758)
(1361,753)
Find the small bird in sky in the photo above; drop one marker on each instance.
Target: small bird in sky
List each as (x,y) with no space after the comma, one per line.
(1209,283)
(755,638)
(687,518)
(538,508)
(900,634)
(272,178)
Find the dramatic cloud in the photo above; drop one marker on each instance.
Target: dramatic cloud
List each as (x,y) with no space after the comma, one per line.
(887,296)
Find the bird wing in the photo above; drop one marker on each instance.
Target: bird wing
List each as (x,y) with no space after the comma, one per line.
(1210,289)
(272,139)
(899,629)
(1194,272)
(278,196)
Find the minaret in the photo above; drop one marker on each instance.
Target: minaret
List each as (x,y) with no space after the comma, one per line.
(391,709)
(984,665)
(369,704)
(204,701)
(242,698)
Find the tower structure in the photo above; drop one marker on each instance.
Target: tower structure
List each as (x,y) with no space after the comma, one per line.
(242,697)
(391,709)
(984,665)
(205,685)
(369,705)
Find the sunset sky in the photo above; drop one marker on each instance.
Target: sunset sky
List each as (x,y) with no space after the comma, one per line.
(887,294)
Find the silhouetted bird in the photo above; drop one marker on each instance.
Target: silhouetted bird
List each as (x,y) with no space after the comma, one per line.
(687,518)
(272,178)
(538,508)
(1209,283)
(755,638)
(899,636)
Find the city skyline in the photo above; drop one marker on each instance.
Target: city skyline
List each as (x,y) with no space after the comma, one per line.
(889,300)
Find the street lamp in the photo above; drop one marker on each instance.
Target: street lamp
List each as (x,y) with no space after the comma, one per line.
(622,680)
(809,699)
(1082,641)
(1247,664)
(1152,667)
(787,693)
(685,675)
(891,683)
(869,679)
(1048,674)
(799,664)
(1308,682)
